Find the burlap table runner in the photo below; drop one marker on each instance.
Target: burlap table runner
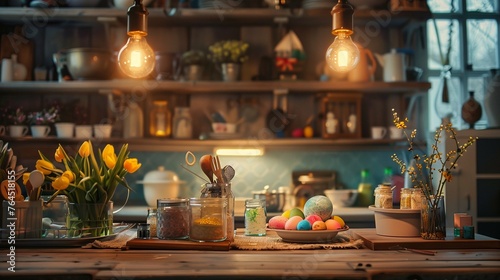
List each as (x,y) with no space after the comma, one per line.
(344,240)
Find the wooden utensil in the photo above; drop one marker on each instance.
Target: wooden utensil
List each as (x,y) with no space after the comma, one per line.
(36,179)
(217,169)
(206,166)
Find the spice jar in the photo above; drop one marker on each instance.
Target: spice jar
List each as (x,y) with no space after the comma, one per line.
(405,201)
(383,197)
(417,196)
(151,220)
(208,219)
(172,218)
(222,190)
(255,217)
(160,119)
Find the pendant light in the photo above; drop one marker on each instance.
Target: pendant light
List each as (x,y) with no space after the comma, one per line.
(342,55)
(136,59)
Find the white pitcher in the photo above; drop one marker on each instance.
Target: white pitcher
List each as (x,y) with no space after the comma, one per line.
(394,66)
(364,71)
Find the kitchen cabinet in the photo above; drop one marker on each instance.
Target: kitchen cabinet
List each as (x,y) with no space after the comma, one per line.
(303,94)
(475,188)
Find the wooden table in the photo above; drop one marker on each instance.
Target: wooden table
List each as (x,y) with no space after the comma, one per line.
(78,263)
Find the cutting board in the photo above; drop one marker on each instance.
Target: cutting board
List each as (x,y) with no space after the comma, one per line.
(379,242)
(161,244)
(16,43)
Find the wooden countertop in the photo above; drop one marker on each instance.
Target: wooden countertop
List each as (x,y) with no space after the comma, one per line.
(238,264)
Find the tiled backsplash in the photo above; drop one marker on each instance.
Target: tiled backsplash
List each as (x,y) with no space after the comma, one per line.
(273,169)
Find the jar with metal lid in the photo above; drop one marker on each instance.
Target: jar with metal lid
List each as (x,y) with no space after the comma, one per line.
(405,201)
(208,219)
(417,197)
(383,197)
(151,220)
(255,217)
(172,218)
(222,190)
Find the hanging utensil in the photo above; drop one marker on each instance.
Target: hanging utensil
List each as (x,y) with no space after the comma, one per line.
(206,166)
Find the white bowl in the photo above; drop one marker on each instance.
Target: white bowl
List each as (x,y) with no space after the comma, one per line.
(125,4)
(342,198)
(228,128)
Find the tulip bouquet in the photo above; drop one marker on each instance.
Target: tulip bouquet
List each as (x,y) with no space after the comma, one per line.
(88,183)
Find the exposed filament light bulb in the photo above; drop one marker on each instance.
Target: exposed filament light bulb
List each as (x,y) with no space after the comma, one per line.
(342,55)
(136,59)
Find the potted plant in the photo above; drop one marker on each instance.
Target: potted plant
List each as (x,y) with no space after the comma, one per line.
(40,121)
(229,55)
(16,121)
(193,62)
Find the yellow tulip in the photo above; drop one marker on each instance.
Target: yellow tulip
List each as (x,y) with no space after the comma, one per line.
(44,166)
(69,175)
(84,150)
(60,183)
(131,165)
(109,156)
(26,177)
(59,155)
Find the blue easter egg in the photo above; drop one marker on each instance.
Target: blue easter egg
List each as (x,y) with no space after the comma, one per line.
(304,225)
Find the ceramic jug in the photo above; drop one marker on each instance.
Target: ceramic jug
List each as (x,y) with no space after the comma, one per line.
(394,66)
(364,71)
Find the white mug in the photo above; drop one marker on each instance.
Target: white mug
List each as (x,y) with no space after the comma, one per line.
(395,133)
(102,130)
(18,130)
(378,132)
(2,130)
(65,130)
(39,131)
(83,131)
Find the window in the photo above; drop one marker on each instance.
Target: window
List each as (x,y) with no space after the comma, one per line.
(471,28)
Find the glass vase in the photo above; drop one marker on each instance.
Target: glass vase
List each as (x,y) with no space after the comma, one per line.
(90,219)
(433,219)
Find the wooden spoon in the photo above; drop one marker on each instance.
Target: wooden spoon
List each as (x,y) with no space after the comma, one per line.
(36,179)
(206,166)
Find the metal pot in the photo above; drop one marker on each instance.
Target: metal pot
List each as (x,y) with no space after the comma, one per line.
(89,63)
(275,201)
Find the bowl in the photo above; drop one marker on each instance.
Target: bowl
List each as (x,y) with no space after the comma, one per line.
(89,63)
(342,198)
(308,236)
(125,4)
(228,128)
(83,3)
(397,222)
(159,184)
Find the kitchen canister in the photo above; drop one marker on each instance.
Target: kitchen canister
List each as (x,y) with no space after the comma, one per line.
(208,219)
(172,218)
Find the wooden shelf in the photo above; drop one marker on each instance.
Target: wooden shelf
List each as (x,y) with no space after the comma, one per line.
(194,145)
(205,17)
(72,87)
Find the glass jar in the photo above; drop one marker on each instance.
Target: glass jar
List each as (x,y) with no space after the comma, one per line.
(172,218)
(160,119)
(182,123)
(383,197)
(222,190)
(255,217)
(405,201)
(417,198)
(151,220)
(208,219)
